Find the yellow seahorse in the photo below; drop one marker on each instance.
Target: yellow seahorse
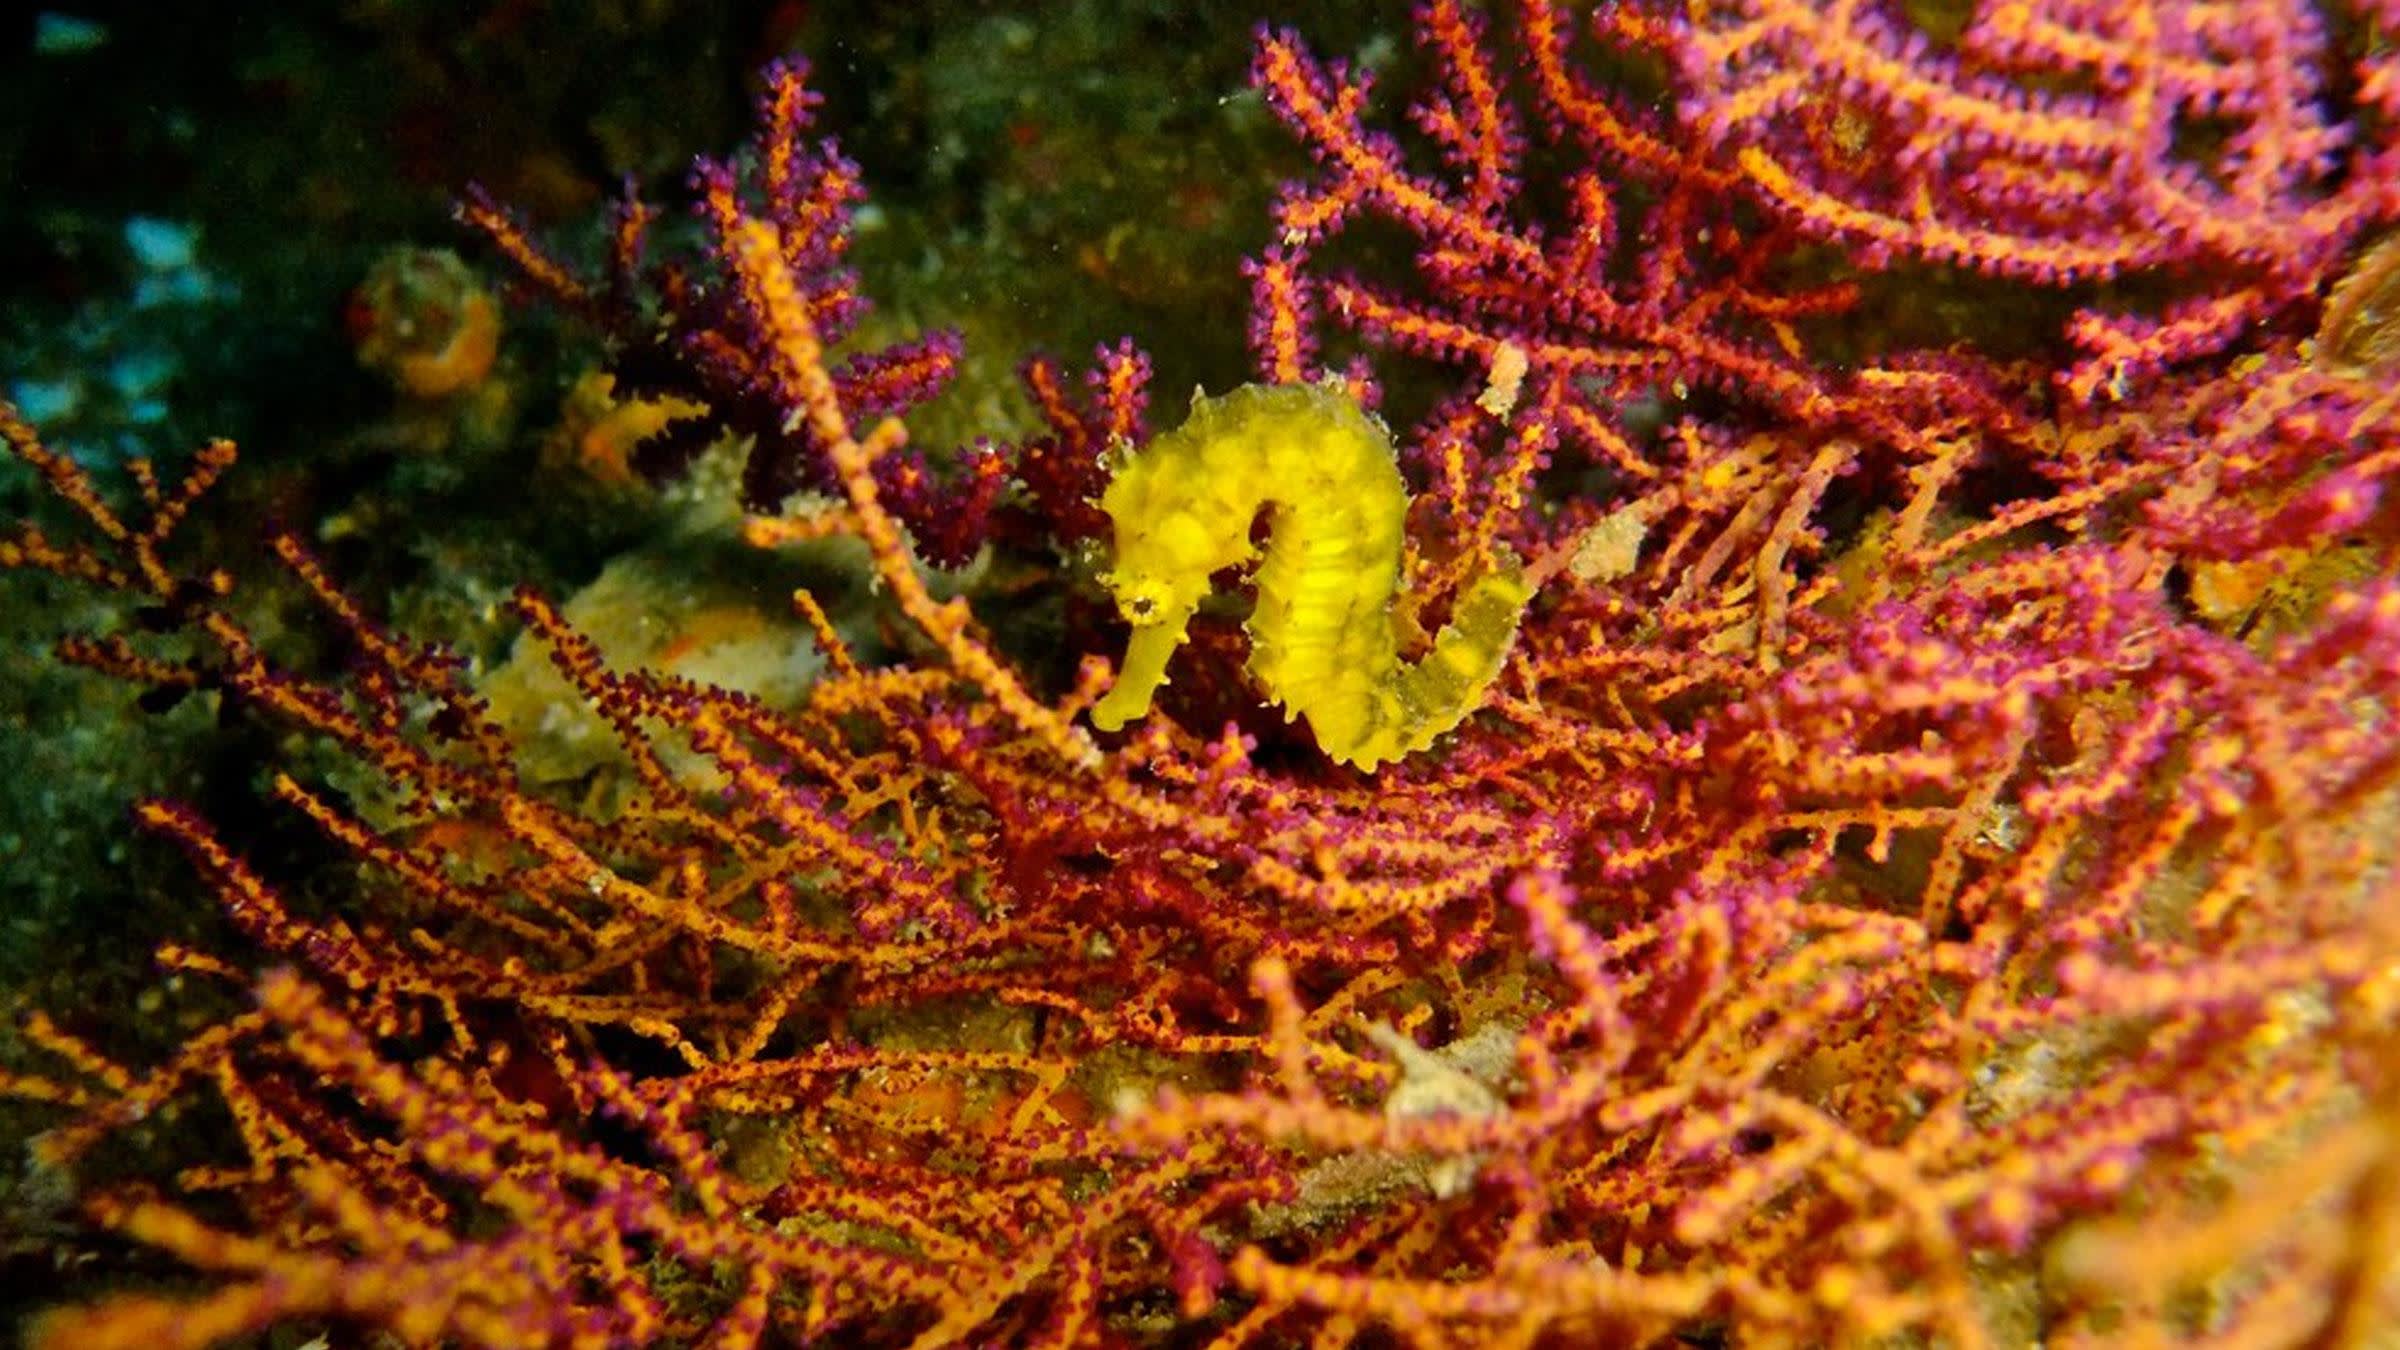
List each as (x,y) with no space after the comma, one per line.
(1322,642)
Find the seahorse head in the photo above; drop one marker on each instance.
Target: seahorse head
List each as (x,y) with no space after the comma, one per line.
(1159,607)
(1145,599)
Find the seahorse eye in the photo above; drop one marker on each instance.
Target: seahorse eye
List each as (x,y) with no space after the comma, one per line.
(1141,599)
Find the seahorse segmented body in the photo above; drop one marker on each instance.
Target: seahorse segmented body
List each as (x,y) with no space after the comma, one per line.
(1322,642)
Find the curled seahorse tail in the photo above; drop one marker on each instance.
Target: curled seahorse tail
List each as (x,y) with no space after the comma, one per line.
(1439,691)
